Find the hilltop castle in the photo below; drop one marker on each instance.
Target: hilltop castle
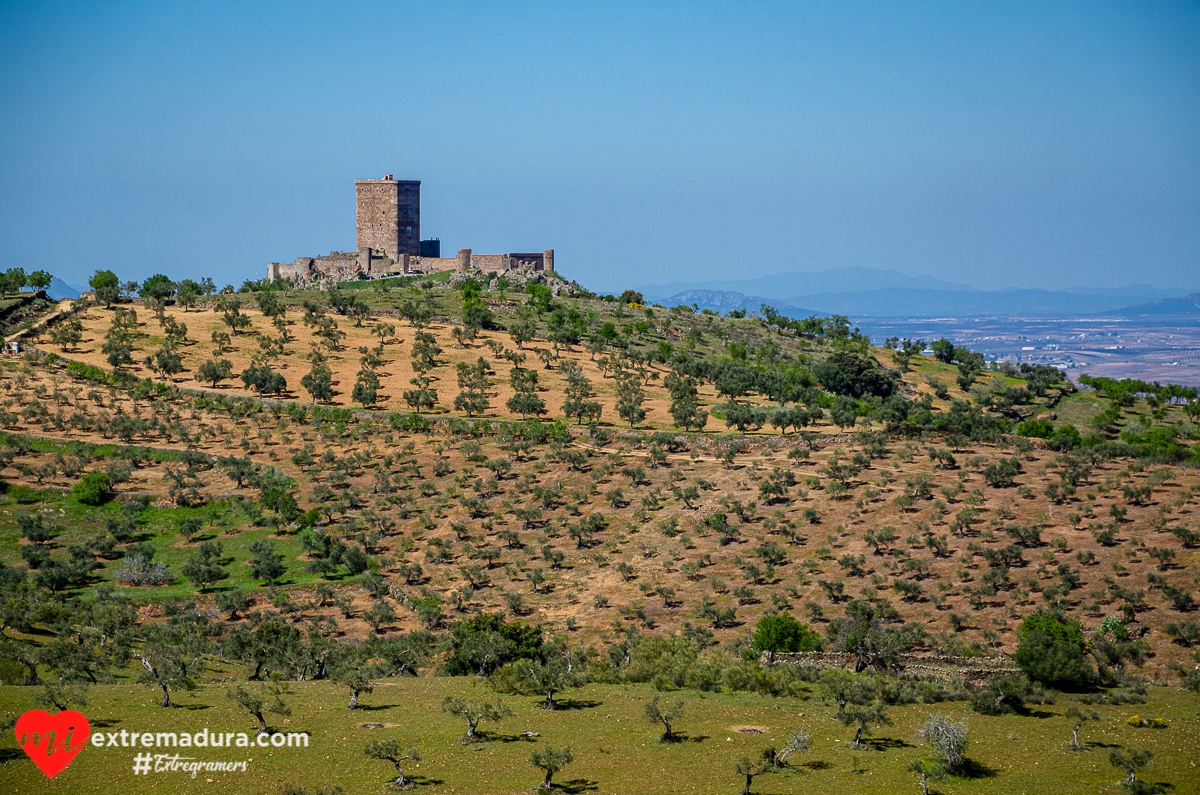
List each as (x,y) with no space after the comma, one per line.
(388,237)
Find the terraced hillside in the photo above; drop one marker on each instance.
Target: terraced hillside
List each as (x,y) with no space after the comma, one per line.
(676,478)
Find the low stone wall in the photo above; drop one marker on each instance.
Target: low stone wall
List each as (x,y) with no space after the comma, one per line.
(944,668)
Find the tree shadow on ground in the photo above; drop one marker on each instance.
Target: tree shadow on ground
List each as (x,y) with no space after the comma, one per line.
(496,737)
(885,743)
(377,707)
(577,785)
(11,755)
(973,768)
(815,764)
(573,703)
(422,781)
(681,737)
(192,706)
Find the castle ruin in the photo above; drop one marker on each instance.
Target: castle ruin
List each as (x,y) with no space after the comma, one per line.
(388,239)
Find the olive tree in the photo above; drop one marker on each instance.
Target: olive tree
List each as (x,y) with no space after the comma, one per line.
(352,666)
(863,717)
(764,763)
(1077,718)
(257,703)
(474,712)
(551,760)
(548,678)
(798,741)
(1131,762)
(392,752)
(170,657)
(927,770)
(664,714)
(947,737)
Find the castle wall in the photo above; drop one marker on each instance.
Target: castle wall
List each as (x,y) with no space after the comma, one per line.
(431,264)
(388,236)
(489,263)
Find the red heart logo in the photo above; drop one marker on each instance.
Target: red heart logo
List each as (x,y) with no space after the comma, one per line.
(47,738)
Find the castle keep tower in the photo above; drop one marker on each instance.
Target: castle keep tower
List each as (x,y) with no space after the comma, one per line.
(389,215)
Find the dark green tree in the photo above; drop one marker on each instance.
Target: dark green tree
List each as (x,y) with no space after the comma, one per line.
(214,372)
(203,567)
(782,633)
(630,397)
(318,381)
(525,399)
(107,287)
(1051,651)
(579,403)
(473,384)
(267,564)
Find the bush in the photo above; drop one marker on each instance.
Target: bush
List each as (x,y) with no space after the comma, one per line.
(782,633)
(1051,651)
(140,570)
(1003,695)
(94,488)
(1037,429)
(855,375)
(486,642)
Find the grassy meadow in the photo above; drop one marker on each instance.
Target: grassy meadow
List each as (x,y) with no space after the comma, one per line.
(615,749)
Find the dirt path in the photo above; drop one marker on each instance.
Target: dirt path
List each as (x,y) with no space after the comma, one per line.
(44,321)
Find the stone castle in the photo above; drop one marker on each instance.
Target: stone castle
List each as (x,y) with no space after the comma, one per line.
(388,232)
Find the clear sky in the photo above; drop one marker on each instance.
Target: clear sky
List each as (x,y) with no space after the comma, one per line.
(996,144)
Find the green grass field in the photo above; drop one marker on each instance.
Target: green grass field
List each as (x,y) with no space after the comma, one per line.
(615,748)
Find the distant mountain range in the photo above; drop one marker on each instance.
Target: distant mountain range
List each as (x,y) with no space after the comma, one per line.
(871,292)
(1183,306)
(59,290)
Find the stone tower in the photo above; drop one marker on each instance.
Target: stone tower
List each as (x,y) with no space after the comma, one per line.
(389,215)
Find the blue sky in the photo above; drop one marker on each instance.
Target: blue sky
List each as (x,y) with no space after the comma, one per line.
(1019,144)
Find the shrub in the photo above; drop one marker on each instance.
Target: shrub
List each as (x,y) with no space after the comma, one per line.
(487,642)
(1003,695)
(1038,429)
(782,633)
(138,569)
(94,488)
(1051,651)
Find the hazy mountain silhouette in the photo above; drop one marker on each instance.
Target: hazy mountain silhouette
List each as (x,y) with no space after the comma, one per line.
(1183,306)
(871,292)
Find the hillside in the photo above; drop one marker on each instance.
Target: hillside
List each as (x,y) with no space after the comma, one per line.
(779,467)
(1184,306)
(457,477)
